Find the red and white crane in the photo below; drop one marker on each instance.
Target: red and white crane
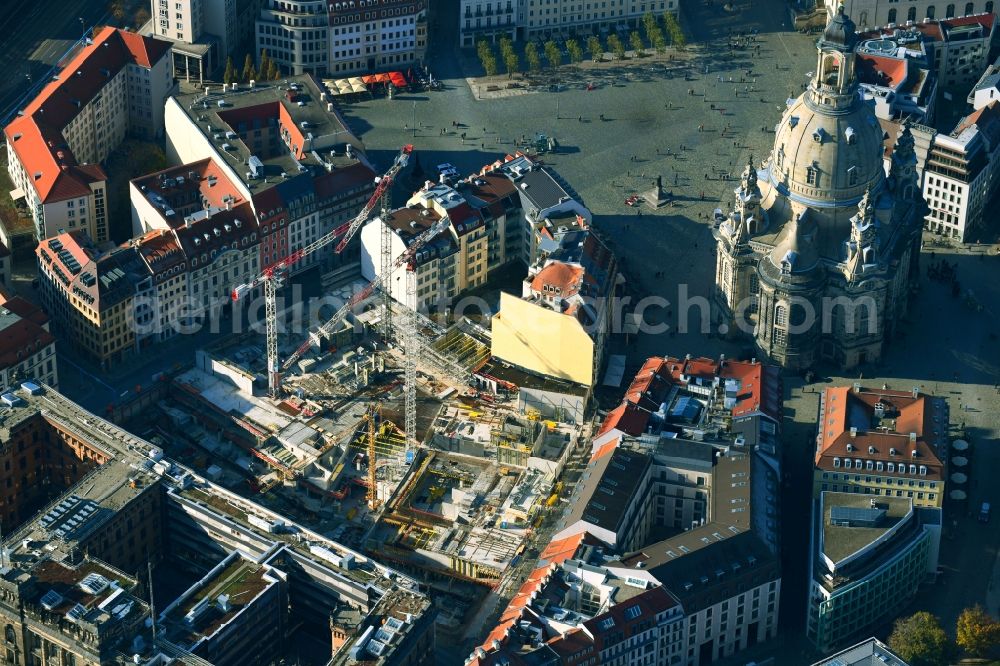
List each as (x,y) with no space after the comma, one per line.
(272,276)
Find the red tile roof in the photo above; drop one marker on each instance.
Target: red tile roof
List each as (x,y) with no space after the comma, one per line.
(561,278)
(760,390)
(21,339)
(876,438)
(26,310)
(146,51)
(36,135)
(881,70)
(186,186)
(561,550)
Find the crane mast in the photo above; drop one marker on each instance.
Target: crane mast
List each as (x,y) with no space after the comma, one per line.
(272,275)
(405,257)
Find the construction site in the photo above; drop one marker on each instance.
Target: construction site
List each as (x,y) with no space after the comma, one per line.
(372,431)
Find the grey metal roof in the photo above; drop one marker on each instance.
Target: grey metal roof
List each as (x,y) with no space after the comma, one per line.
(871,652)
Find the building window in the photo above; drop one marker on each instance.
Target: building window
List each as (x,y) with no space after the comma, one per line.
(930,12)
(969,8)
(781,316)
(892,16)
(949,11)
(911,14)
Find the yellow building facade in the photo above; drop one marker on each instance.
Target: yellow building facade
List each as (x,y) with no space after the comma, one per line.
(541,340)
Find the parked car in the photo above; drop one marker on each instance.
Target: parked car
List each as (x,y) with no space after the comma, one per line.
(447,170)
(984,513)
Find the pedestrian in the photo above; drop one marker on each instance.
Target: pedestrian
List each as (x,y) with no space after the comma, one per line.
(482,146)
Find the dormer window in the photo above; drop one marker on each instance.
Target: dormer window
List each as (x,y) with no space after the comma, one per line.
(850,136)
(818,135)
(852,176)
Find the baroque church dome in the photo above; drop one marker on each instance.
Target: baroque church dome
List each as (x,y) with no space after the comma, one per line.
(827,150)
(827,157)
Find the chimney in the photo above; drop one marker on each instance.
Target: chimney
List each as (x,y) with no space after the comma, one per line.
(229,204)
(329,107)
(207,89)
(854,432)
(916,391)
(253,83)
(913,437)
(857,387)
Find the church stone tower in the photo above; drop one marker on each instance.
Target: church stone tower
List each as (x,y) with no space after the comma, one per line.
(816,258)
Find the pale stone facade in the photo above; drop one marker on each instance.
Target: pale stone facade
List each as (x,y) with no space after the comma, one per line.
(816,258)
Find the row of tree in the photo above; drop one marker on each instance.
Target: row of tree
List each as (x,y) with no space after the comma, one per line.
(658,37)
(920,640)
(268,71)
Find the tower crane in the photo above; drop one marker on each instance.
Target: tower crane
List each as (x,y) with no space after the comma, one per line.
(272,276)
(405,258)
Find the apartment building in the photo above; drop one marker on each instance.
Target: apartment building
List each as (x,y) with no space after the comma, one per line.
(882,442)
(67,599)
(869,556)
(692,450)
(114,86)
(871,14)
(284,149)
(558,19)
(27,349)
(479,212)
(898,79)
(489,20)
(960,175)
(90,295)
(566,300)
(955,49)
(340,38)
(547,206)
(572,610)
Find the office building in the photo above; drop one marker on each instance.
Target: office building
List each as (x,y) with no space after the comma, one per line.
(882,443)
(110,503)
(284,149)
(960,175)
(114,86)
(541,20)
(866,653)
(869,556)
(341,38)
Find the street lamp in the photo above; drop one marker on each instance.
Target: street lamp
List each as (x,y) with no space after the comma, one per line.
(83,27)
